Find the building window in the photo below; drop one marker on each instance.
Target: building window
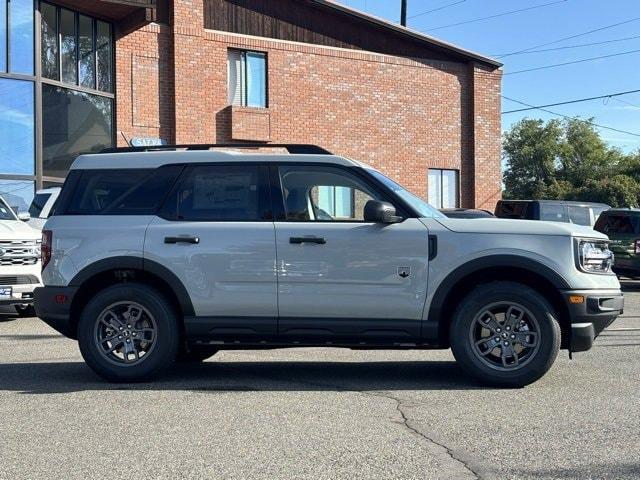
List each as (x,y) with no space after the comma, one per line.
(73,122)
(49,41)
(16,36)
(17,127)
(247,78)
(76,49)
(443,188)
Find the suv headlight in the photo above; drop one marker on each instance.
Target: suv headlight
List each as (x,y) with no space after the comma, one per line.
(594,256)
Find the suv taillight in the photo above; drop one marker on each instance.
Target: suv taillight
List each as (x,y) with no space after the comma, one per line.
(45,248)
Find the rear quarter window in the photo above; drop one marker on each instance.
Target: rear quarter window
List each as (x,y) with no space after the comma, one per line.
(579,215)
(513,210)
(121,192)
(618,224)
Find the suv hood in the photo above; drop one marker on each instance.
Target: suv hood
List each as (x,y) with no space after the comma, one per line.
(17,230)
(518,227)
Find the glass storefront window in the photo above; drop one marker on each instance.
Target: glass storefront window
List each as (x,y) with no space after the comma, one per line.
(87,74)
(68,46)
(17,127)
(104,53)
(49,41)
(21,36)
(17,193)
(73,123)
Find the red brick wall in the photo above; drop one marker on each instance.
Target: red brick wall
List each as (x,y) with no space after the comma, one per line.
(396,114)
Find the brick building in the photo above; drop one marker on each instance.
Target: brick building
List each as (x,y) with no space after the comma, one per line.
(102,73)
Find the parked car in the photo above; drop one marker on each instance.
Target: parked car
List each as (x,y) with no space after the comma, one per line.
(466,213)
(41,206)
(154,255)
(622,226)
(19,260)
(580,213)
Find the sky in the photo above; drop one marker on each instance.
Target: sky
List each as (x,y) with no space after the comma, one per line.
(518,31)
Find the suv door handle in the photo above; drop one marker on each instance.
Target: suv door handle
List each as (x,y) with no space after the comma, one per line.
(185,239)
(300,240)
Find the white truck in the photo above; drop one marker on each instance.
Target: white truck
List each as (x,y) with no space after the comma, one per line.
(19,260)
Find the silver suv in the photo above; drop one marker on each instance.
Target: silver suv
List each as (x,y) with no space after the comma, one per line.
(179,253)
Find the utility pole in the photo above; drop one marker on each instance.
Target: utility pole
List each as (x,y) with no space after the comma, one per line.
(403,13)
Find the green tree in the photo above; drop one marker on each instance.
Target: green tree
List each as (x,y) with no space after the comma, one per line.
(531,150)
(617,191)
(568,160)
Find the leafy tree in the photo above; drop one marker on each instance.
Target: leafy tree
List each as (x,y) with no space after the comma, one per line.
(618,191)
(568,160)
(531,149)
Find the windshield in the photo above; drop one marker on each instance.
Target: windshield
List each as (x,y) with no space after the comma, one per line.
(5,212)
(423,208)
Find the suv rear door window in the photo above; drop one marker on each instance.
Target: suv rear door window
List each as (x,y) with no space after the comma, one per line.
(552,212)
(219,193)
(618,224)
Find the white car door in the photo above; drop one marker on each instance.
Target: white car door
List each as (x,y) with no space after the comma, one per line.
(338,275)
(216,235)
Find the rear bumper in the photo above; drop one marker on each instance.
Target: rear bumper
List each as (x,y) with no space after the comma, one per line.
(591,316)
(53,306)
(20,295)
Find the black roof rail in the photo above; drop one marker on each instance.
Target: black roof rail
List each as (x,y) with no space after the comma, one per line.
(292,148)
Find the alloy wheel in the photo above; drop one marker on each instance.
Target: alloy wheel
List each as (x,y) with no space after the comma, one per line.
(125,333)
(505,336)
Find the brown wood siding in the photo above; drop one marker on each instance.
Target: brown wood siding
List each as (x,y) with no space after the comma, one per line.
(303,21)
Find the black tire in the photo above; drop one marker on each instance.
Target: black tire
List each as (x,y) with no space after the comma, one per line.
(482,365)
(25,310)
(195,354)
(166,336)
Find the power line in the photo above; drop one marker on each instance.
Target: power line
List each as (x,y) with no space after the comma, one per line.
(437,9)
(628,103)
(583,60)
(571,46)
(570,37)
(568,102)
(511,12)
(571,118)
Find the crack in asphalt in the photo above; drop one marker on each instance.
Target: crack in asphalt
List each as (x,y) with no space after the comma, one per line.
(461,466)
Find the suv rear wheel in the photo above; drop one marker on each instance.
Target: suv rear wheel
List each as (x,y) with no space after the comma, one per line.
(505,334)
(128,333)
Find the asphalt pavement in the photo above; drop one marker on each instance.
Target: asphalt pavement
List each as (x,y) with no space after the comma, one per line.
(318,414)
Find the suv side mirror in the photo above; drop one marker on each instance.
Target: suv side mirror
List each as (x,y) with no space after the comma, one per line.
(24,216)
(380,212)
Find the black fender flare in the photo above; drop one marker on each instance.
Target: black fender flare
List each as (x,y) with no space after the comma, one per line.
(138,263)
(492,261)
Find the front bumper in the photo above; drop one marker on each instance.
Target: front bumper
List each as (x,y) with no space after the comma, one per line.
(591,316)
(53,306)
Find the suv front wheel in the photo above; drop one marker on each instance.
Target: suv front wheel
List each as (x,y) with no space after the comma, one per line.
(128,333)
(505,334)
